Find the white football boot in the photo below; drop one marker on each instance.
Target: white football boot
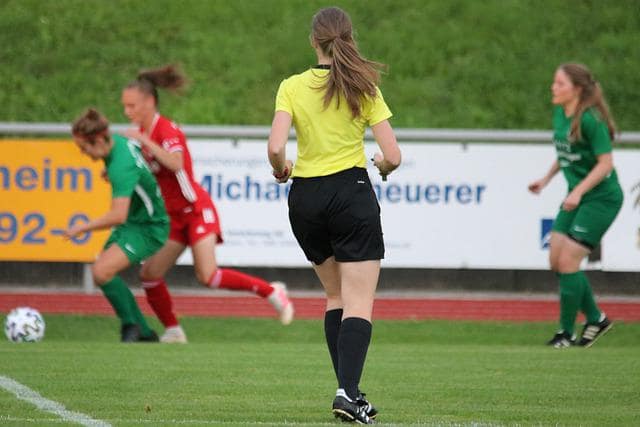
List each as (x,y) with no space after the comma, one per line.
(279,299)
(174,335)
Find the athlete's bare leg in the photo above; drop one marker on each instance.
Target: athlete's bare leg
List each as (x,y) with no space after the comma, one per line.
(204,257)
(565,254)
(359,282)
(109,263)
(329,274)
(157,265)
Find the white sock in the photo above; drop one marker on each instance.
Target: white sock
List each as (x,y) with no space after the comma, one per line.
(340,392)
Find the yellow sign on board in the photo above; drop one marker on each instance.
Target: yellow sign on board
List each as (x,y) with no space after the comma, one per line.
(45,187)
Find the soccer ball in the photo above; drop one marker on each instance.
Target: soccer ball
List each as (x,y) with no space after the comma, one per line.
(24,324)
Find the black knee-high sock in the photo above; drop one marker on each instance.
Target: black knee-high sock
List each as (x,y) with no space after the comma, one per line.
(353,343)
(332,321)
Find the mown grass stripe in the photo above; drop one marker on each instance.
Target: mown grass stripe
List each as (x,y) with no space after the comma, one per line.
(243,423)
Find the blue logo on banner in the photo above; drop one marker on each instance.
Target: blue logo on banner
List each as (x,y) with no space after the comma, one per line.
(545,232)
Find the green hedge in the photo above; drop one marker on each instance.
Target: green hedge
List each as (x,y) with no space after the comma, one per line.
(452,63)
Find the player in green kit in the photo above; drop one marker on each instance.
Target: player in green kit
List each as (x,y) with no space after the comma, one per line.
(583,130)
(138,218)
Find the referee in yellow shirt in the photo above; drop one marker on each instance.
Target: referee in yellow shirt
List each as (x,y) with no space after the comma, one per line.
(333,210)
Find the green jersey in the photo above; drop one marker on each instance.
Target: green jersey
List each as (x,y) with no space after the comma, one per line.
(578,158)
(130,177)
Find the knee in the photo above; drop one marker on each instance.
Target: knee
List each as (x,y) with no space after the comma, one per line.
(101,275)
(567,264)
(151,270)
(202,278)
(208,277)
(146,274)
(149,281)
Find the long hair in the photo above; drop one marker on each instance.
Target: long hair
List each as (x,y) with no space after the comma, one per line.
(351,75)
(167,77)
(591,96)
(90,124)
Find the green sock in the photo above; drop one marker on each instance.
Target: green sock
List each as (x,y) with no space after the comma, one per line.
(571,290)
(145,330)
(118,293)
(125,305)
(588,304)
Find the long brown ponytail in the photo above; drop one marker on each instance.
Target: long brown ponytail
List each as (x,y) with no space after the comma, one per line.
(591,96)
(351,75)
(167,77)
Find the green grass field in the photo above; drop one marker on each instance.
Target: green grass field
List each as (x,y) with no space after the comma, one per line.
(255,372)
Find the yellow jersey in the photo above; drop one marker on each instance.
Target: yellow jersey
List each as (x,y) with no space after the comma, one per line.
(329,140)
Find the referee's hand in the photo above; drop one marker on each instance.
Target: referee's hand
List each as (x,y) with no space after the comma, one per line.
(283,176)
(377,159)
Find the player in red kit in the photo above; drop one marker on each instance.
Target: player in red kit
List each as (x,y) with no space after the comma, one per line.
(194,219)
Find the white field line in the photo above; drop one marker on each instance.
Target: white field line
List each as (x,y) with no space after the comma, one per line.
(23,392)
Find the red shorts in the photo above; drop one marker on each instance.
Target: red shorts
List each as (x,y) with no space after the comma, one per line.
(190,225)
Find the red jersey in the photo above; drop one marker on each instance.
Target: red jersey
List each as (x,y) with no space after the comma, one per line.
(179,189)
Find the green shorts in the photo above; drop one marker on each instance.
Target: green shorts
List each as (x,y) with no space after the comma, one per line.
(139,241)
(587,223)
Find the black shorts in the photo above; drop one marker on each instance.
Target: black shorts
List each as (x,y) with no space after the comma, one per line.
(336,215)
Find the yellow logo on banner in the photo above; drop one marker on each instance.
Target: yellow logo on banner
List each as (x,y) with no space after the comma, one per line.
(45,187)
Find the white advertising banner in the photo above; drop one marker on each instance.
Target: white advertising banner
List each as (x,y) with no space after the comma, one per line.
(448,206)
(620,251)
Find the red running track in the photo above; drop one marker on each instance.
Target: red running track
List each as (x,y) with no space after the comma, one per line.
(313,307)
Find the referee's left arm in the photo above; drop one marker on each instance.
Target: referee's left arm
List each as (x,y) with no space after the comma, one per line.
(386,140)
(278,141)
